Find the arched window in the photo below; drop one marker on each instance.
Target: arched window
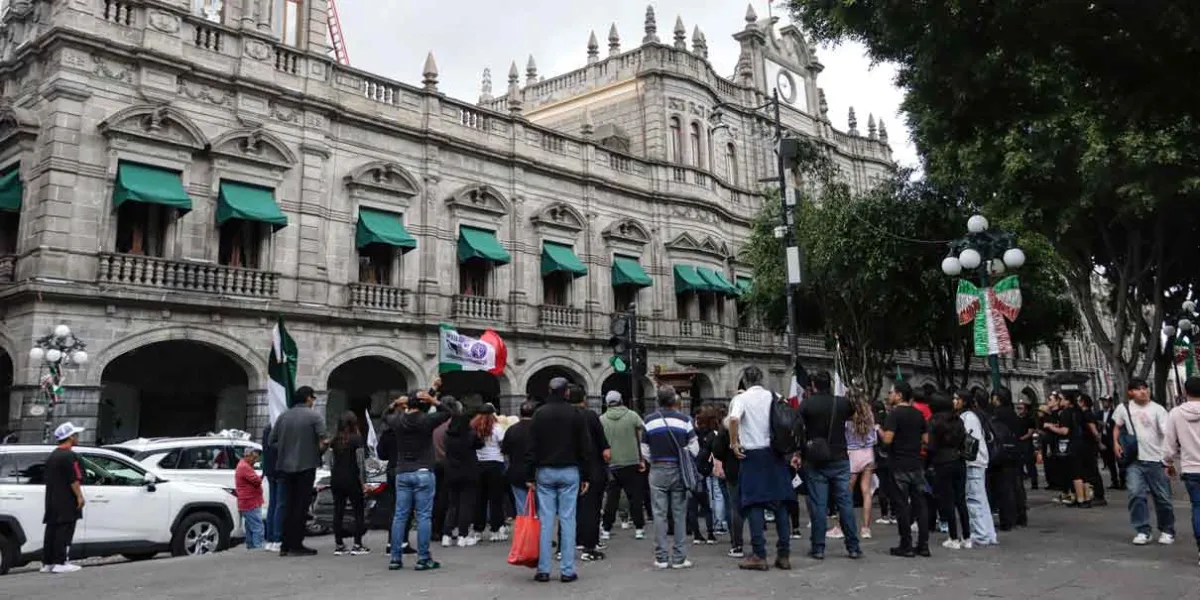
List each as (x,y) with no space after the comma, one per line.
(697,151)
(676,141)
(731,167)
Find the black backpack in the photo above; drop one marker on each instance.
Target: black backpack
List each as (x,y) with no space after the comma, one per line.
(1001,442)
(787,430)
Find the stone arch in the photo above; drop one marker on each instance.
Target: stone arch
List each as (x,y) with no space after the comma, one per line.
(627,230)
(1031,394)
(157,123)
(255,144)
(410,367)
(571,365)
(560,215)
(480,197)
(704,387)
(252,361)
(384,176)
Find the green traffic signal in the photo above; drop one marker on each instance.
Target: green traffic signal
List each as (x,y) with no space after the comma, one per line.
(618,364)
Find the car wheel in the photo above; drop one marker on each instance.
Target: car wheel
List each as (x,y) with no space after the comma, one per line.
(8,552)
(199,534)
(315,528)
(136,556)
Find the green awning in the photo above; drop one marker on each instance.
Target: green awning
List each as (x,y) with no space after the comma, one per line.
(560,258)
(744,285)
(628,271)
(154,185)
(481,244)
(11,190)
(687,280)
(249,203)
(715,281)
(726,288)
(378,227)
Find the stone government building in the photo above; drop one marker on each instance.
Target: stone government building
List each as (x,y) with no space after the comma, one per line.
(174,178)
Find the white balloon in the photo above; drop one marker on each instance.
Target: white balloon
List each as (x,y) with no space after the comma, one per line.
(977,224)
(1014,258)
(62,331)
(951,266)
(1185,324)
(970,258)
(80,357)
(1169,330)
(53,355)
(997,266)
(36,355)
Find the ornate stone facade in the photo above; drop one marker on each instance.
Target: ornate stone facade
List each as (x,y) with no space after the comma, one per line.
(583,159)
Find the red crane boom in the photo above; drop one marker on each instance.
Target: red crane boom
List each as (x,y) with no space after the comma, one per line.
(335,35)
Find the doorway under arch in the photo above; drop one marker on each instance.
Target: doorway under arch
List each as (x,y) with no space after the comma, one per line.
(364,386)
(169,389)
(621,382)
(702,389)
(537,387)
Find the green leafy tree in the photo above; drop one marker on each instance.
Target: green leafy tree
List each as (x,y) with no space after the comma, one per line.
(1067,117)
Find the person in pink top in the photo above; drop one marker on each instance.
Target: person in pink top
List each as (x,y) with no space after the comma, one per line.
(1182,443)
(247,484)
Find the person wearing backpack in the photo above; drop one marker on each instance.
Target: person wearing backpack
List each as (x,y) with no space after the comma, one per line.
(827,464)
(765,483)
(983,529)
(1006,462)
(1138,442)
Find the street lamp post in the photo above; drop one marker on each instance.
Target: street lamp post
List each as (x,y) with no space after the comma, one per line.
(985,253)
(1181,331)
(54,351)
(786,151)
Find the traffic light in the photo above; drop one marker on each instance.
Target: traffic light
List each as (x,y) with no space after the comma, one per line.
(621,342)
(640,363)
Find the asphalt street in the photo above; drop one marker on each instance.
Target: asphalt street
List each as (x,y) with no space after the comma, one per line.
(1065,553)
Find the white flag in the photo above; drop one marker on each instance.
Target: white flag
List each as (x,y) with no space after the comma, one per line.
(372,439)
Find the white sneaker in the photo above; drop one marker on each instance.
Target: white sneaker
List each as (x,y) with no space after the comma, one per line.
(835,534)
(626,525)
(686,564)
(67,568)
(952,544)
(447,541)
(967,544)
(865,533)
(639,534)
(605,535)
(882,521)
(662,565)
(1141,539)
(1166,539)
(47,569)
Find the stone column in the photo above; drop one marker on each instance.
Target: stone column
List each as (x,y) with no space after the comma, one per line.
(314,235)
(257,414)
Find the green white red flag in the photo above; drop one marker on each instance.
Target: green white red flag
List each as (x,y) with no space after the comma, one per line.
(457,352)
(989,308)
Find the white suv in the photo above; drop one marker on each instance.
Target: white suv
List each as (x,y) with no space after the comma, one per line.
(130,510)
(202,459)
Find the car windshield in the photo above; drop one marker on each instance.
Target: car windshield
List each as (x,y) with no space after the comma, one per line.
(108,470)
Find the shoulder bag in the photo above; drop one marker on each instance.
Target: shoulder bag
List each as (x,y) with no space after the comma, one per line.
(687,465)
(1128,440)
(818,451)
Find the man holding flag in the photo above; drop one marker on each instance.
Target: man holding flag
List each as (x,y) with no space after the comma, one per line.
(282,371)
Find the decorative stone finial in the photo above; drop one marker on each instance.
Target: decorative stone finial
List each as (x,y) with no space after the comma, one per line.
(883,132)
(485,89)
(744,69)
(514,89)
(431,73)
(871,125)
(699,44)
(593,48)
(680,34)
(531,76)
(751,16)
(824,103)
(651,27)
(853,122)
(588,128)
(614,41)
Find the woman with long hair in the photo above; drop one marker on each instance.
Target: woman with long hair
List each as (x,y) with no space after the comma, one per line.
(462,479)
(489,509)
(346,482)
(970,406)
(707,423)
(946,446)
(860,442)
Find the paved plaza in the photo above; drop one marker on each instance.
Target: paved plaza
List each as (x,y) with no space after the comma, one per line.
(1065,553)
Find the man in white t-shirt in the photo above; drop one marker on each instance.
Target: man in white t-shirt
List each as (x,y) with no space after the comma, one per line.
(1147,473)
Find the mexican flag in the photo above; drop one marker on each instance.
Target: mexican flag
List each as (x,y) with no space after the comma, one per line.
(457,352)
(281,370)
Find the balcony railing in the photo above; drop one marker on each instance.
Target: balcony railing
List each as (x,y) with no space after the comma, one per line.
(477,308)
(164,274)
(559,316)
(748,337)
(378,297)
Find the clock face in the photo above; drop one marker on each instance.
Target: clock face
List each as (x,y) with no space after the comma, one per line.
(786,85)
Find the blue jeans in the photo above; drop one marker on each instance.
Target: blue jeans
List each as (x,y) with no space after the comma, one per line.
(756,516)
(983,529)
(414,490)
(822,481)
(1192,482)
(716,503)
(274,519)
(520,494)
(557,497)
(252,523)
(1148,476)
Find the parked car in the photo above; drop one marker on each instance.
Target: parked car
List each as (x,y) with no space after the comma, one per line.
(131,510)
(379,504)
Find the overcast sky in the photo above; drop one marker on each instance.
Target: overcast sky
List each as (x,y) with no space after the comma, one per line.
(391,38)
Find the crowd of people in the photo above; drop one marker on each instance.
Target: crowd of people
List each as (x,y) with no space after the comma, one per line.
(952,462)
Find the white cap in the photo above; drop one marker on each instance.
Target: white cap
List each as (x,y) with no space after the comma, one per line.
(66,430)
(612,398)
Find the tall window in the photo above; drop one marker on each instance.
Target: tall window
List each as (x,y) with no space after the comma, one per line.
(141,228)
(375,264)
(623,296)
(708,308)
(683,306)
(676,141)
(285,18)
(731,168)
(473,277)
(556,289)
(241,243)
(10,230)
(697,147)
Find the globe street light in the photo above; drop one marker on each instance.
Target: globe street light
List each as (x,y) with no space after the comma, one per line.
(984,253)
(53,352)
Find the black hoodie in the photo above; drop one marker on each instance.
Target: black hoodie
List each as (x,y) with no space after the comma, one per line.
(462,466)
(414,438)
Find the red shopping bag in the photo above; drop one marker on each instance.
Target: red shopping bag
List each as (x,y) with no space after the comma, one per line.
(527,533)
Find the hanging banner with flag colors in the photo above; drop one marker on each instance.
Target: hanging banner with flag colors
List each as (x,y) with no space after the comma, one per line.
(281,370)
(457,352)
(989,308)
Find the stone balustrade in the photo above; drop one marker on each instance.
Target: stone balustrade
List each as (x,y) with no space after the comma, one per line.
(565,317)
(478,308)
(377,297)
(165,274)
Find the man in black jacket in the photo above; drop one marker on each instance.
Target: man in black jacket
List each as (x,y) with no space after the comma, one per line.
(415,481)
(588,523)
(515,448)
(1010,486)
(558,467)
